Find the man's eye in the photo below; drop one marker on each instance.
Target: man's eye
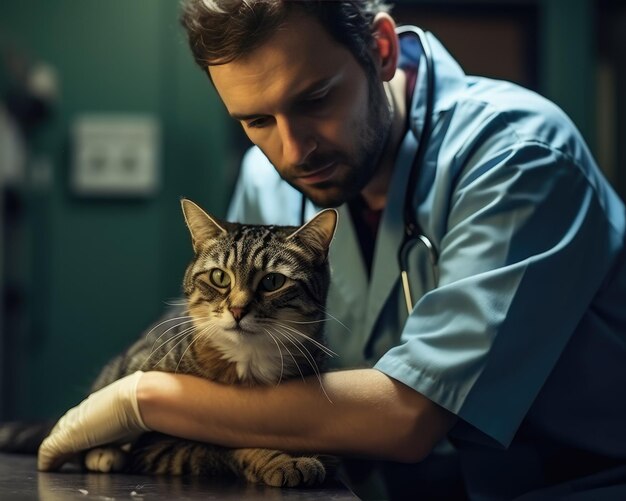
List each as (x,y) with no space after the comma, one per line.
(257,123)
(316,99)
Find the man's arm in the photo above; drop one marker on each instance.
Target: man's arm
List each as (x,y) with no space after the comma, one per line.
(362,413)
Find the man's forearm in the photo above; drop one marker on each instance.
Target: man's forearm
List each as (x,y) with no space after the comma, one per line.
(361,412)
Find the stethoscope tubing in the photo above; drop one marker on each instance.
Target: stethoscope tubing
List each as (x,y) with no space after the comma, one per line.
(413,234)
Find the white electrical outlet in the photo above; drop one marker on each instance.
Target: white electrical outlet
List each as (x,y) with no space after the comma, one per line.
(116,155)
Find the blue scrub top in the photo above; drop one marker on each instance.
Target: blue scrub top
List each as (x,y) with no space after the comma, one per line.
(522,334)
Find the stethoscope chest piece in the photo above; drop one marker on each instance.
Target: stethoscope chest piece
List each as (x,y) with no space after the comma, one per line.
(418,261)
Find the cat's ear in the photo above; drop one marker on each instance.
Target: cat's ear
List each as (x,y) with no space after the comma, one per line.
(319,231)
(201,226)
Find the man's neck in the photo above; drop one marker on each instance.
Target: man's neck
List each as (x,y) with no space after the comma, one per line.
(375,193)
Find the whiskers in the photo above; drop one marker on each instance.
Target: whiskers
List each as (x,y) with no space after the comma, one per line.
(176,302)
(196,336)
(177,338)
(288,336)
(194,344)
(330,317)
(280,352)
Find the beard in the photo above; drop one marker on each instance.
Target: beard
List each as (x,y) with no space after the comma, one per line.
(358,167)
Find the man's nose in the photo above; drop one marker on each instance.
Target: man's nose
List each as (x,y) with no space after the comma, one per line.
(298,141)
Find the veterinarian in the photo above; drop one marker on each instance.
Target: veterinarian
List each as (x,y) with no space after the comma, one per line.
(506,334)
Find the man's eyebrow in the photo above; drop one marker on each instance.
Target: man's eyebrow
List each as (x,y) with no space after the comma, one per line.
(309,89)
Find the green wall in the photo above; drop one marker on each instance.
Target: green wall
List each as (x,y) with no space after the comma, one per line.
(100,270)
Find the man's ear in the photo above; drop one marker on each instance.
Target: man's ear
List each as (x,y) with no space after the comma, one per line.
(386,48)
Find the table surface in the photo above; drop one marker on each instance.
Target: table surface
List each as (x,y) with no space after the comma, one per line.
(20,480)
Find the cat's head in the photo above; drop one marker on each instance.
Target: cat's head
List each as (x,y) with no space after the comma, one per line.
(259,291)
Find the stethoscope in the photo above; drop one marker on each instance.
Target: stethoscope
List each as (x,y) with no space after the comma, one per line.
(413,234)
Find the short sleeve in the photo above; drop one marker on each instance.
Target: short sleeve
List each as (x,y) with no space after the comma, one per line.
(521,259)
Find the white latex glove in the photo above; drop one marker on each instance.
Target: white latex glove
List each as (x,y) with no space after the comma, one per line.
(110,415)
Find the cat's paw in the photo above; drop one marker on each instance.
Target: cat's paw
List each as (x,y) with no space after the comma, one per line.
(289,471)
(105,459)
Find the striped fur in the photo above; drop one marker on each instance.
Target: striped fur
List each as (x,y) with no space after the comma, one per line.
(237,334)
(23,438)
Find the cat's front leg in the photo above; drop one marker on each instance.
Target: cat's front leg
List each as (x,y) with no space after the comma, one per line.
(106,459)
(277,468)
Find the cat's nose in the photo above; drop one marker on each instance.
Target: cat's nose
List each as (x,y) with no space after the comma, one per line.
(237,312)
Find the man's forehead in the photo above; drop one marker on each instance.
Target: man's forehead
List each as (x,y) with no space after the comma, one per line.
(299,55)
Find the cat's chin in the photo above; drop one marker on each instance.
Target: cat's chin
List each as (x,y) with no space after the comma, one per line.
(241,330)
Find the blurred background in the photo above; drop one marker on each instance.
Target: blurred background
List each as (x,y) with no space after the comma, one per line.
(105,122)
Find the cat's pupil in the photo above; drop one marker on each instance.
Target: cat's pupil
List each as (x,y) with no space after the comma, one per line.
(219,278)
(272,282)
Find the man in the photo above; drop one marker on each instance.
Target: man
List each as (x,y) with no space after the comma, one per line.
(515,347)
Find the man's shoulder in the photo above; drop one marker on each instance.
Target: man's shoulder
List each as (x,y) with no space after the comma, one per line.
(518,110)
(490,117)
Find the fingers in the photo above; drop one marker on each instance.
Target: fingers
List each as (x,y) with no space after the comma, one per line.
(50,456)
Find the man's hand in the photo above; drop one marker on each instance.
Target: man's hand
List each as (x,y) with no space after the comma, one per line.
(106,416)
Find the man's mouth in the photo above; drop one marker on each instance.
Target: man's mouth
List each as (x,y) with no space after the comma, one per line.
(320,175)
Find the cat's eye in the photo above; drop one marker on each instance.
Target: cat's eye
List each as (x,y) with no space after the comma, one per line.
(272,282)
(219,278)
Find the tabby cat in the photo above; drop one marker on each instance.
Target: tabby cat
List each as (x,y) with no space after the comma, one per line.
(252,315)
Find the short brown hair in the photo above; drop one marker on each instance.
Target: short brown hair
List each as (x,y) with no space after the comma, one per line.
(220,31)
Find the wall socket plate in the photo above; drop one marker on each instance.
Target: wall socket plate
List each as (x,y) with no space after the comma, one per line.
(115,155)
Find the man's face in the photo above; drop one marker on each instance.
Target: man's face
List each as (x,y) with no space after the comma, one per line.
(308,104)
